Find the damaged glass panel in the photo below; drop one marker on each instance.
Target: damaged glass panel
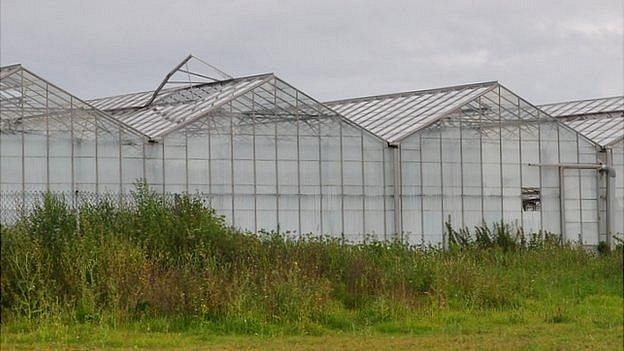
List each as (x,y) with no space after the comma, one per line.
(531,199)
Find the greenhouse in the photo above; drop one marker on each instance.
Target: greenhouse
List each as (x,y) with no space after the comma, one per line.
(480,154)
(53,141)
(269,157)
(601,120)
(262,153)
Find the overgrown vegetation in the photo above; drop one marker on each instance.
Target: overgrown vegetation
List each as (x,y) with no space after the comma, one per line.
(175,263)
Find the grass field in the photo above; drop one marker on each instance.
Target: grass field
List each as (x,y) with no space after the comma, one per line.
(170,275)
(592,324)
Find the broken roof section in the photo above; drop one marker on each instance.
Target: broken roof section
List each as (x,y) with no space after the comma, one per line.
(190,90)
(189,72)
(601,120)
(27,101)
(394,117)
(174,107)
(177,103)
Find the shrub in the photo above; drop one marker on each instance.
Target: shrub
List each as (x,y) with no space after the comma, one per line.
(160,257)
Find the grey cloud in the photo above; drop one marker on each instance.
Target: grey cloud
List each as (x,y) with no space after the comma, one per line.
(544,50)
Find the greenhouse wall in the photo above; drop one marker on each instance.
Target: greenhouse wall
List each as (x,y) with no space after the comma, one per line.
(271,159)
(274,159)
(302,170)
(52,141)
(472,168)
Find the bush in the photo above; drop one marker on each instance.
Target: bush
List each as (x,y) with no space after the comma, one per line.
(161,257)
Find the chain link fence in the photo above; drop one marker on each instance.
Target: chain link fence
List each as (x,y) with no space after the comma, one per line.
(17,204)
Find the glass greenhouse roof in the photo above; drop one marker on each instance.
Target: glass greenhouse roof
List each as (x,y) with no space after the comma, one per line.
(8,70)
(584,107)
(396,116)
(604,131)
(27,101)
(174,107)
(601,120)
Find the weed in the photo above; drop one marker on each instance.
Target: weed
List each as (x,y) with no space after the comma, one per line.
(172,262)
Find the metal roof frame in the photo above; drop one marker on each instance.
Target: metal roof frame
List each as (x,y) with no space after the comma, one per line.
(179,69)
(584,107)
(188,103)
(434,104)
(388,117)
(442,107)
(215,106)
(599,119)
(131,108)
(7,72)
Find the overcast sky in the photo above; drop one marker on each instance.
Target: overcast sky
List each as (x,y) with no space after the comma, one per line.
(543,50)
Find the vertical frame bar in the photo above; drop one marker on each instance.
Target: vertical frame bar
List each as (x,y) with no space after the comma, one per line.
(561,189)
(162,147)
(520,163)
(210,195)
(580,190)
(442,217)
(23,156)
(320,168)
(71,133)
(422,192)
(363,186)
(277,183)
(186,161)
(47,126)
(143,162)
(342,193)
(298,163)
(398,211)
(461,170)
(539,160)
(561,203)
(232,163)
(253,150)
(481,160)
(97,157)
(383,177)
(119,144)
(500,156)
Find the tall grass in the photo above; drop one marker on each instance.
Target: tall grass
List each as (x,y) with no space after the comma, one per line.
(176,258)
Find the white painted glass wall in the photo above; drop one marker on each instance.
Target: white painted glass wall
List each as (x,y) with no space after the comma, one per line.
(617,203)
(471,168)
